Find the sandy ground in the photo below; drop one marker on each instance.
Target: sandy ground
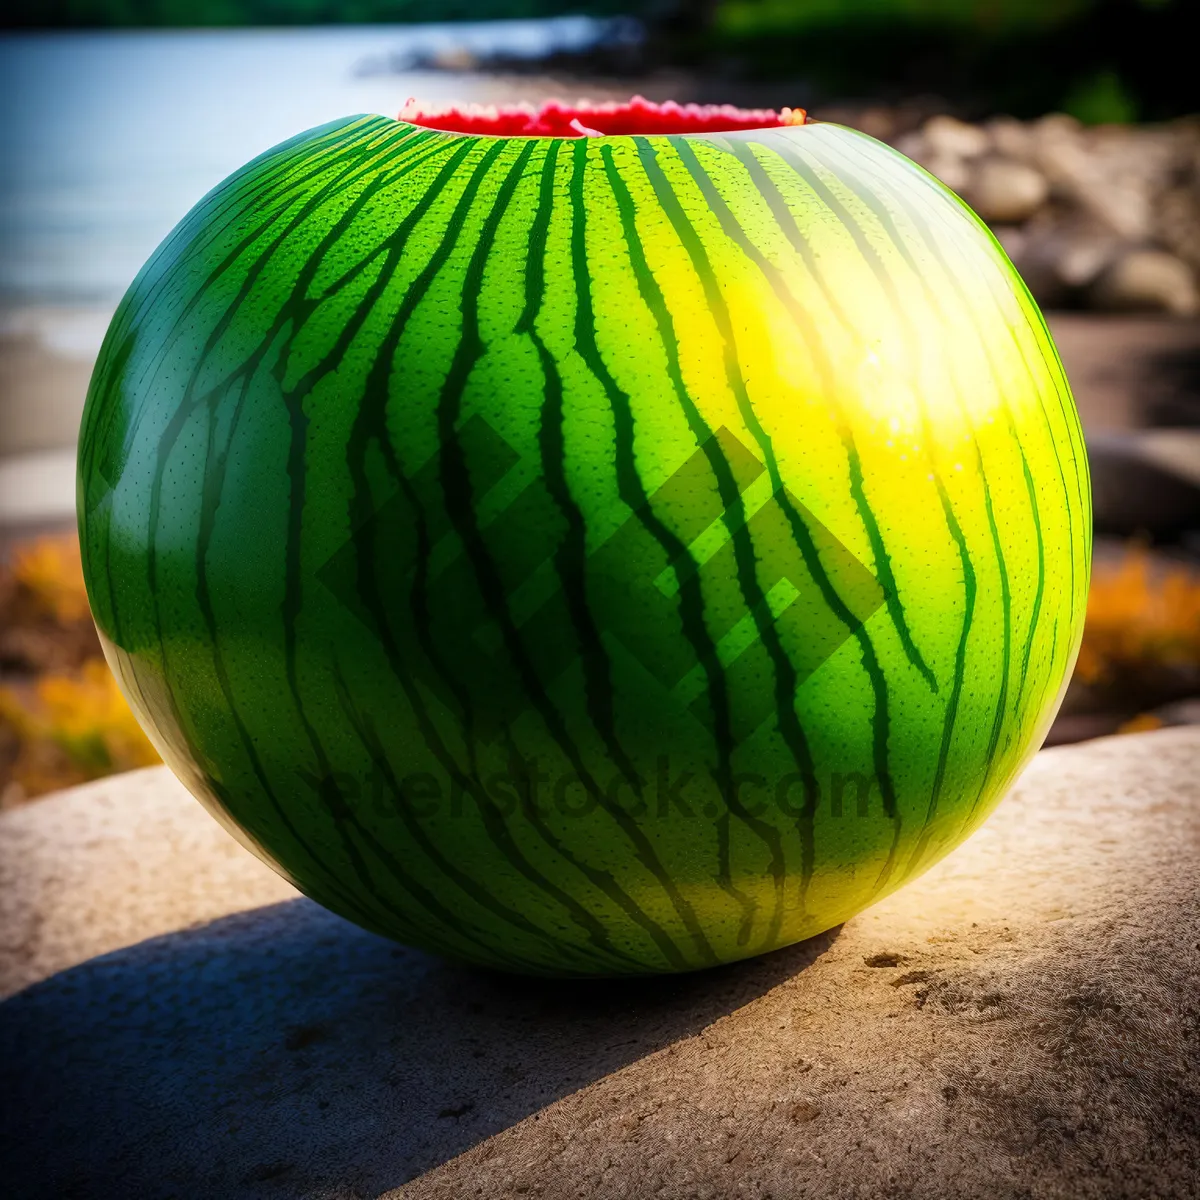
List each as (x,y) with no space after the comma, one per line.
(46,358)
(1021,1022)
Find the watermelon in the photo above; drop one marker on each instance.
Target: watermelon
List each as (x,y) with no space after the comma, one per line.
(590,541)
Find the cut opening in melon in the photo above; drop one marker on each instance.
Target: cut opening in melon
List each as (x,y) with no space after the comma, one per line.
(637,116)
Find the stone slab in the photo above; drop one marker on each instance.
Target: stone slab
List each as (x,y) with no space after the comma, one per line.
(1023,1021)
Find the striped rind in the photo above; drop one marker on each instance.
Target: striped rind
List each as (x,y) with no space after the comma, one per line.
(551,472)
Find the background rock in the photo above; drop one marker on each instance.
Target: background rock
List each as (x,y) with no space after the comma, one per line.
(1022,1021)
(1146,482)
(948,137)
(1179,223)
(1131,371)
(1147,280)
(1072,203)
(1007,192)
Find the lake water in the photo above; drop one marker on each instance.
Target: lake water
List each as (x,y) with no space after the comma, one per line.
(107,139)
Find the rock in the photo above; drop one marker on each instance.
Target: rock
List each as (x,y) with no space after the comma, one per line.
(1055,128)
(1146,482)
(953,172)
(1105,185)
(454,59)
(1081,253)
(912,143)
(1176,451)
(1180,712)
(1019,1022)
(947,137)
(1089,195)
(1147,280)
(1129,371)
(1059,253)
(1001,190)
(942,146)
(876,120)
(1179,223)
(1010,138)
(110,864)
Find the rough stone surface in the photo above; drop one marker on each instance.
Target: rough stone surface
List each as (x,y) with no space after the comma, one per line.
(1150,280)
(1131,371)
(1179,223)
(1071,203)
(112,863)
(948,137)
(1145,481)
(1023,1021)
(1004,191)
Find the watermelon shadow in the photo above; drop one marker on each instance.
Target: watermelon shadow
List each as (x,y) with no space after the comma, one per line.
(281,1052)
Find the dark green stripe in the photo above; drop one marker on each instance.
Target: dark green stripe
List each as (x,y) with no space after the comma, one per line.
(801,535)
(809,175)
(889,226)
(883,560)
(367,733)
(183,413)
(293,592)
(930,186)
(214,480)
(960,668)
(585,345)
(203,226)
(1006,608)
(890,229)
(460,505)
(791,230)
(359,165)
(213,483)
(570,558)
(725,882)
(296,308)
(370,423)
(1035,615)
(691,597)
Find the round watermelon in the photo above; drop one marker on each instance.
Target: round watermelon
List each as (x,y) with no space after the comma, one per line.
(594,541)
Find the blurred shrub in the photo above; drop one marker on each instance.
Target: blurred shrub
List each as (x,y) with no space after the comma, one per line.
(71,728)
(1101,60)
(758,16)
(1141,622)
(63,719)
(50,574)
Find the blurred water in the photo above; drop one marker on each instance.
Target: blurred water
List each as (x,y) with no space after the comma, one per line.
(107,139)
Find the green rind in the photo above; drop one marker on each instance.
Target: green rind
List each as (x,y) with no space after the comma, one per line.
(416,455)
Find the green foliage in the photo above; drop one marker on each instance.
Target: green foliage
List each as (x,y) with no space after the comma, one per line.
(1103,60)
(1101,99)
(745,17)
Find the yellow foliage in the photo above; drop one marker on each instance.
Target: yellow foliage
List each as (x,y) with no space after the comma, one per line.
(1142,723)
(63,719)
(73,728)
(1138,618)
(51,572)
